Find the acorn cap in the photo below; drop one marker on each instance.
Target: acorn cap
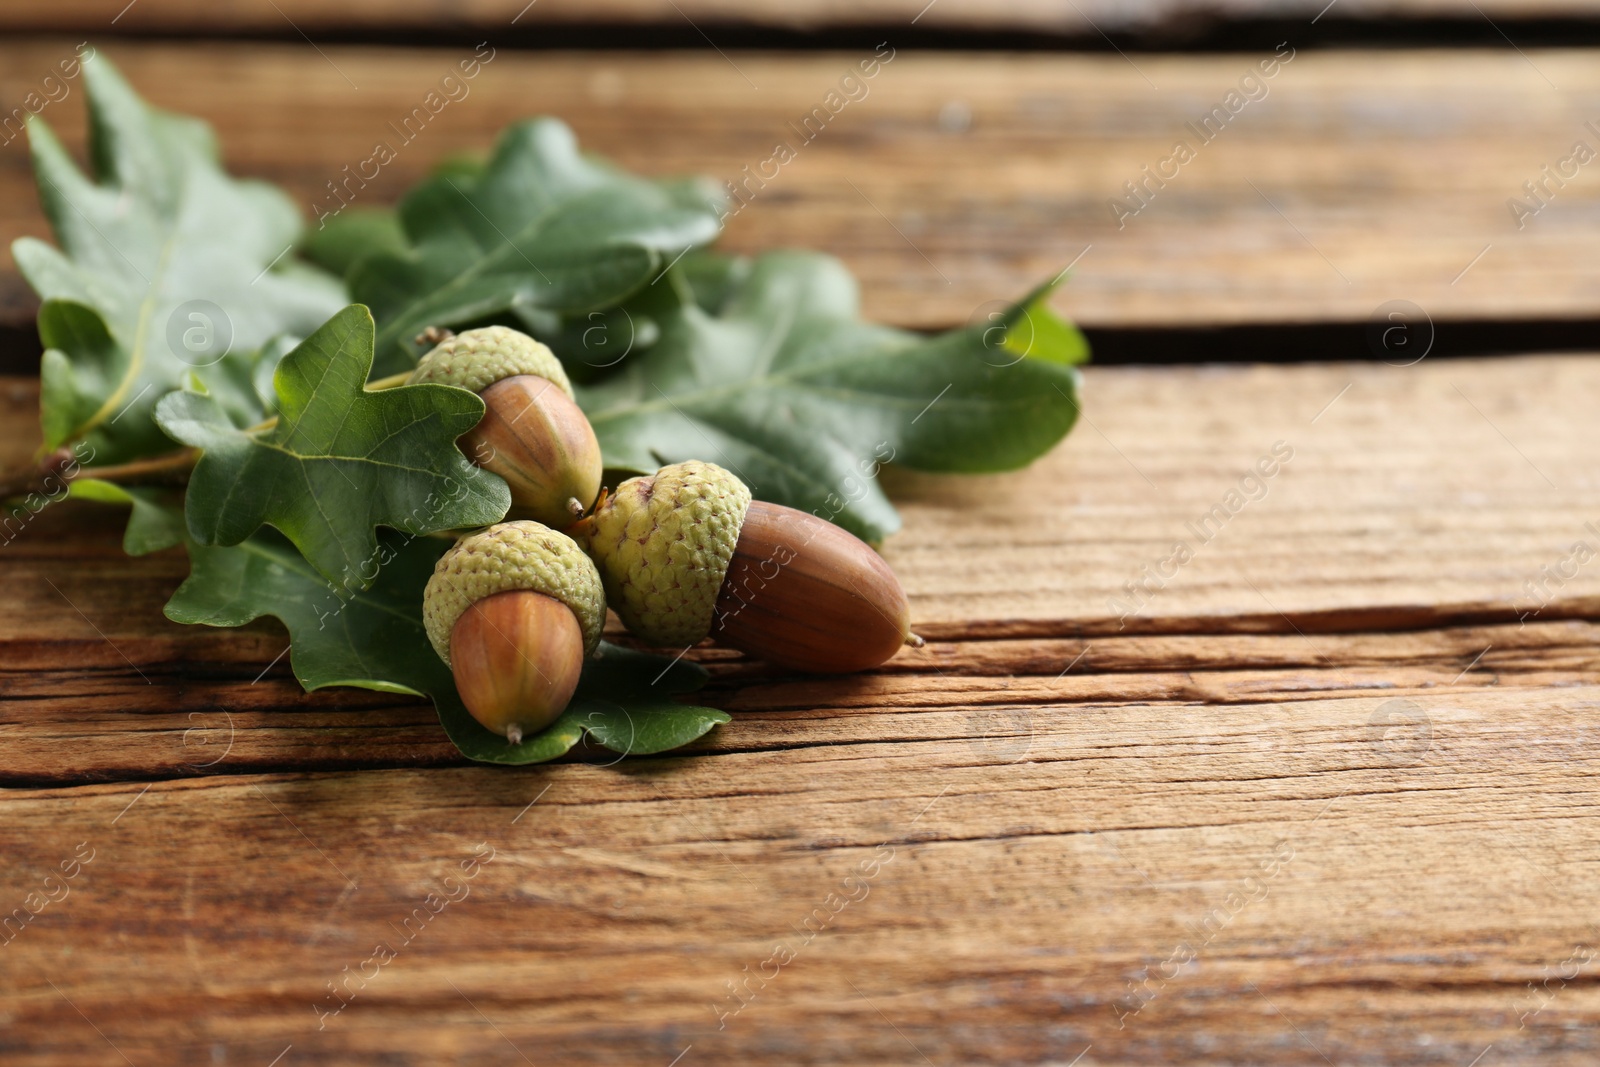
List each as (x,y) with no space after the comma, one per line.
(476,359)
(663,542)
(512,555)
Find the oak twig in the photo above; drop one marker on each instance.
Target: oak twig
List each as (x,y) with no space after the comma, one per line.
(60,467)
(56,469)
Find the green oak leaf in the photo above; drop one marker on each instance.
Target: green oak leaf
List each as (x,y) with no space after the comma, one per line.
(341,241)
(242,386)
(790,391)
(167,268)
(540,227)
(713,277)
(155,521)
(373,639)
(340,461)
(623,702)
(593,345)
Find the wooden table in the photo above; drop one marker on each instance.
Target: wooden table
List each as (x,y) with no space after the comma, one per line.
(1322,791)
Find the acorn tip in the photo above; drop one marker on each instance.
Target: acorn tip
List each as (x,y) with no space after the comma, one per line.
(914,641)
(575,506)
(514,734)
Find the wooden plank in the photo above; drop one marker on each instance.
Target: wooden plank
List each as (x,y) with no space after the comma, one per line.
(1252,883)
(1086,17)
(959,181)
(67,724)
(1415,501)
(1427,495)
(1414,495)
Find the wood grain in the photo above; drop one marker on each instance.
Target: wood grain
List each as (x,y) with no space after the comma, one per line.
(68,725)
(1419,873)
(960,181)
(1415,496)
(1323,792)
(1360,829)
(1414,506)
(1085,17)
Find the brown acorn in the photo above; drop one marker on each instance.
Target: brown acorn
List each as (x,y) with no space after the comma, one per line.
(514,610)
(533,434)
(803,593)
(685,554)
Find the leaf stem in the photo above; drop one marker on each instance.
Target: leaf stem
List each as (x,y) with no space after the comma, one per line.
(391,382)
(56,468)
(154,469)
(171,467)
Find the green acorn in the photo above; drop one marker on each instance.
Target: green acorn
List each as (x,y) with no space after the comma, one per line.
(685,554)
(514,610)
(533,434)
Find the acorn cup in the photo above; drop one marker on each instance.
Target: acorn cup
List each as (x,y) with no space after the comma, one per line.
(514,610)
(685,554)
(533,434)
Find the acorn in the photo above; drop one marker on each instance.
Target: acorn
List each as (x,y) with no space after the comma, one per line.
(513,611)
(533,434)
(685,554)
